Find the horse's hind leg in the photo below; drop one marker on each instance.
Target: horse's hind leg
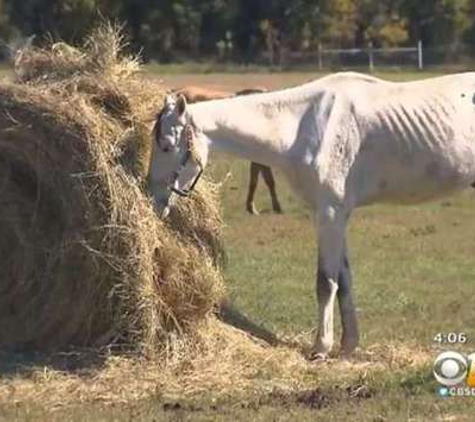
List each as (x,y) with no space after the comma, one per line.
(350,334)
(270,182)
(253,179)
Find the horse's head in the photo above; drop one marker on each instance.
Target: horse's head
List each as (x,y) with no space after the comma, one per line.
(178,154)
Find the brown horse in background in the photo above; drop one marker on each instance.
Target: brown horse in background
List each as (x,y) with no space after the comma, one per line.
(195,94)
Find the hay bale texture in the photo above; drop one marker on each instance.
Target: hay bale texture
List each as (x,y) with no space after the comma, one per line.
(84,259)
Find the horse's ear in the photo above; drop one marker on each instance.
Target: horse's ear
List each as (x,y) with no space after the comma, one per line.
(181,104)
(170,100)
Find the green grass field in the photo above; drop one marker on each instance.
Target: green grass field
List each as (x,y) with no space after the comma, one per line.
(414,275)
(414,271)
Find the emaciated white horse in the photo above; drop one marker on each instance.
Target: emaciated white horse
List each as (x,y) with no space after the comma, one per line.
(344,141)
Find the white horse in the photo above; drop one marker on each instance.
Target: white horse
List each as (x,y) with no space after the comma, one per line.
(344,141)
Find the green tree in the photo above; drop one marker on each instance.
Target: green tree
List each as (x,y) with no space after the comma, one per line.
(7,30)
(168,29)
(438,22)
(381,23)
(66,19)
(339,22)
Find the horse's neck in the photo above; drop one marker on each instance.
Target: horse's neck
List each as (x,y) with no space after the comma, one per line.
(260,128)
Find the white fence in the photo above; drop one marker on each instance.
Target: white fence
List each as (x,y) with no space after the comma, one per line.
(370,57)
(372,54)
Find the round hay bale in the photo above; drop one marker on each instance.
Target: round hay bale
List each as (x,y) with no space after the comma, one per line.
(85,260)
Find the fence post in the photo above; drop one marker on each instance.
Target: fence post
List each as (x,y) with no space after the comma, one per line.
(420,59)
(320,64)
(370,57)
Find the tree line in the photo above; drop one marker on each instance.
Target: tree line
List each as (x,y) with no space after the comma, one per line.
(168,30)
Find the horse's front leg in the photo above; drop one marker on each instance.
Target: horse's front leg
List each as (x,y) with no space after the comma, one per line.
(350,334)
(331,223)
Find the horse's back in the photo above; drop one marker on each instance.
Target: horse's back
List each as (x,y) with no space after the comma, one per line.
(362,88)
(417,139)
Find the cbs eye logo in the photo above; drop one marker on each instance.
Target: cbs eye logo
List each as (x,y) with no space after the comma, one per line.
(452,368)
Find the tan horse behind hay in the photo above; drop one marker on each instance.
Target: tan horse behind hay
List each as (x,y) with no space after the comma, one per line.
(194,94)
(344,141)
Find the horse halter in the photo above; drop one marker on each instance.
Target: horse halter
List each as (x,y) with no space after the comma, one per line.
(189,154)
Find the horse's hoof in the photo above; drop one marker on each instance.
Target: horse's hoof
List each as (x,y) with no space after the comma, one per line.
(251,209)
(344,355)
(320,350)
(317,356)
(348,347)
(277,208)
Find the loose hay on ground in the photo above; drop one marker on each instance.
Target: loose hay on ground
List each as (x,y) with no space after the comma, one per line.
(229,368)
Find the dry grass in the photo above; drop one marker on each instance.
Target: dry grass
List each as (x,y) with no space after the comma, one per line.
(223,364)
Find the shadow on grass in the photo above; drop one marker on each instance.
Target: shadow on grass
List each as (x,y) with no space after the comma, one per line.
(84,361)
(229,314)
(14,363)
